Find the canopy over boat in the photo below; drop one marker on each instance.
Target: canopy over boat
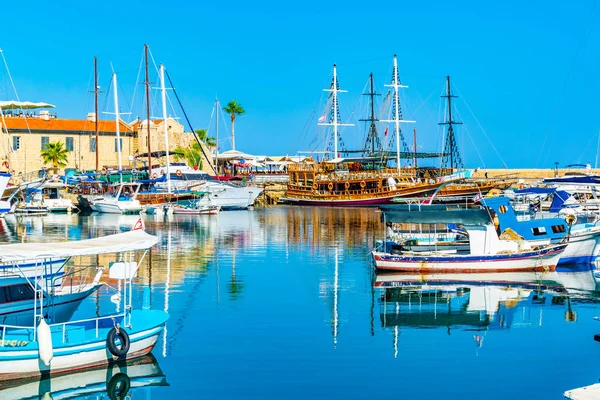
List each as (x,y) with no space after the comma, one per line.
(23,105)
(435,214)
(120,242)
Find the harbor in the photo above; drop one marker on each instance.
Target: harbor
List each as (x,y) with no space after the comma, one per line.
(265,201)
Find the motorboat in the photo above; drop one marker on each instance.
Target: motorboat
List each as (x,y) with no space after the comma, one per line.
(223,194)
(120,199)
(33,204)
(53,199)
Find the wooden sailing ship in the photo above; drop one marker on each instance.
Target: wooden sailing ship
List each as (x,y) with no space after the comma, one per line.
(368,180)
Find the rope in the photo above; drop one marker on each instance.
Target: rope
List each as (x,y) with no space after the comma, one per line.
(480,127)
(189,123)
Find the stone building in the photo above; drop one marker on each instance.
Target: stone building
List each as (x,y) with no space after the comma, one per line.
(22,140)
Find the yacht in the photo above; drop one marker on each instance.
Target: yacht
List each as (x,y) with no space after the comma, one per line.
(53,198)
(223,194)
(120,199)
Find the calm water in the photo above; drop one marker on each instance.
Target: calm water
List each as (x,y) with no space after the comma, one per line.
(283,303)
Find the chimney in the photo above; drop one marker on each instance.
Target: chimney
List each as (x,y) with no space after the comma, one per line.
(45,115)
(91,117)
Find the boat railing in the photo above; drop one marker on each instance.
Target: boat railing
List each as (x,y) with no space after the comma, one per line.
(95,320)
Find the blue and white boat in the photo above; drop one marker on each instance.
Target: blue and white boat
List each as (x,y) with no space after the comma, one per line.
(42,348)
(487,252)
(583,239)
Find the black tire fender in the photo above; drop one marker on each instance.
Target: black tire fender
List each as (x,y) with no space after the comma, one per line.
(125,342)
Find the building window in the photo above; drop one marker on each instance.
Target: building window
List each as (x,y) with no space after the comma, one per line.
(92,145)
(16,143)
(69,144)
(120,143)
(45,141)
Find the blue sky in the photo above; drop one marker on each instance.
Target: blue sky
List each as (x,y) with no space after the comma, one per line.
(527,70)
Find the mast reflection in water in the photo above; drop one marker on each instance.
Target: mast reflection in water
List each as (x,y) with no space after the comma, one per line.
(284,302)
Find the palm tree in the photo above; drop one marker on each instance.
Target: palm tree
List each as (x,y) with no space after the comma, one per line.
(56,154)
(233,108)
(203,136)
(191,154)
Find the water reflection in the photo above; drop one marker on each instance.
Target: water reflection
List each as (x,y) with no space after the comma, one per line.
(290,295)
(116,381)
(481,302)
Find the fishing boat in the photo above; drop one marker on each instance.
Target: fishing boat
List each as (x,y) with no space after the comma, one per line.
(583,239)
(487,252)
(44,349)
(60,297)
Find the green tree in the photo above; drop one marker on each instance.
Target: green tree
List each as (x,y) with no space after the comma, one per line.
(55,153)
(192,155)
(204,138)
(233,108)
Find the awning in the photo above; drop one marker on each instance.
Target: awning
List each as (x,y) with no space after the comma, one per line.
(23,105)
(159,154)
(435,214)
(120,242)
(235,155)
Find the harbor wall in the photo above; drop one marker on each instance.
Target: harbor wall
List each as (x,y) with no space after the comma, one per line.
(530,173)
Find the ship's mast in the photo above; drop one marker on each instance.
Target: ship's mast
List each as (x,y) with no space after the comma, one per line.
(334,119)
(217,133)
(96,130)
(451,153)
(397,112)
(147,83)
(372,138)
(117,130)
(163,93)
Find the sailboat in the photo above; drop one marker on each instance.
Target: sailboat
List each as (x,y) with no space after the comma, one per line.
(120,198)
(367,180)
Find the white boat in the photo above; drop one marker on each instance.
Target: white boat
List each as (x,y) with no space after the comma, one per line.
(44,349)
(224,194)
(60,298)
(33,203)
(487,252)
(121,199)
(53,199)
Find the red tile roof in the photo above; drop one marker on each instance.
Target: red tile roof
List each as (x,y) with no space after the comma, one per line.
(56,125)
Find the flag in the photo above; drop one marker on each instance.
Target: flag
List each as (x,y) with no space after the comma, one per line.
(386,131)
(323,118)
(139,225)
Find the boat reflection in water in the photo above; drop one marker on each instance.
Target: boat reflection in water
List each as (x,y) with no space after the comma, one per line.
(114,381)
(480,302)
